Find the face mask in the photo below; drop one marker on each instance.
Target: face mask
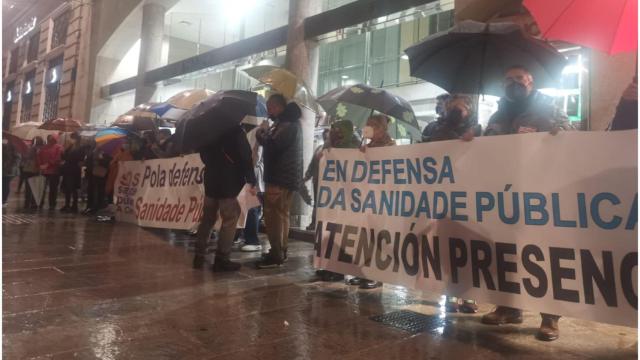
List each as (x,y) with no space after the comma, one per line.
(5,141)
(367,132)
(516,91)
(455,116)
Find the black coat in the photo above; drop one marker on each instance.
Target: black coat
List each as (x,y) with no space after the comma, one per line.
(71,170)
(228,165)
(282,150)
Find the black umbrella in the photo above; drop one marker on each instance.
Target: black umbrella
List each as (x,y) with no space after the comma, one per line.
(211,118)
(472,57)
(357,103)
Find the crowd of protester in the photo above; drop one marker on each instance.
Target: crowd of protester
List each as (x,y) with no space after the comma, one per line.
(268,157)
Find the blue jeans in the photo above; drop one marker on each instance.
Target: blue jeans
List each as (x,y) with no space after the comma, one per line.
(253,224)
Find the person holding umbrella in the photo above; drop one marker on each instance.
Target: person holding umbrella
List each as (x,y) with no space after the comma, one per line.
(524,110)
(49,160)
(441,102)
(72,173)
(283,167)
(228,166)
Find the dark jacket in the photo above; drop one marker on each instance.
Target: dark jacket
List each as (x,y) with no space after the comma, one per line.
(282,150)
(446,130)
(228,165)
(537,113)
(71,169)
(626,116)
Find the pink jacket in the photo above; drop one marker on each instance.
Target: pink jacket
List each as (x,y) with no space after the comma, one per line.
(49,159)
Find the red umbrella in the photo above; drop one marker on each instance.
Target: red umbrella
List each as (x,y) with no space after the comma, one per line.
(62,124)
(607,25)
(17,143)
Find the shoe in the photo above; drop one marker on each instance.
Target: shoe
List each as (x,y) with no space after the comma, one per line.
(370,284)
(199,261)
(503,315)
(311,227)
(251,248)
(269,263)
(223,264)
(330,276)
(285,257)
(469,307)
(355,281)
(65,209)
(73,210)
(549,329)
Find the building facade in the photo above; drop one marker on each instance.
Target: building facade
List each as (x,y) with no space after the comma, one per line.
(42,63)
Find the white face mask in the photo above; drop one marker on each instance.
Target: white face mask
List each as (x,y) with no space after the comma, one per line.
(5,141)
(367,132)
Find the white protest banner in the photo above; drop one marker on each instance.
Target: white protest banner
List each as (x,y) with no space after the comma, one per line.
(167,193)
(535,221)
(163,193)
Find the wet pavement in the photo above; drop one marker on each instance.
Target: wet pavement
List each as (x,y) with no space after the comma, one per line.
(76,288)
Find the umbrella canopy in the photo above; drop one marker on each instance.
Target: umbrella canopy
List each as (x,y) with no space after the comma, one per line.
(356,102)
(22,130)
(137,120)
(473,56)
(211,118)
(607,25)
(16,142)
(111,139)
(168,111)
(62,124)
(284,82)
(187,99)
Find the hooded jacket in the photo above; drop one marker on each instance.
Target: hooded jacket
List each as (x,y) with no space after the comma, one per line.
(536,113)
(282,150)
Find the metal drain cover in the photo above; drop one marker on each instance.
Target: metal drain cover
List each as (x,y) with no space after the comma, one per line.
(18,219)
(411,321)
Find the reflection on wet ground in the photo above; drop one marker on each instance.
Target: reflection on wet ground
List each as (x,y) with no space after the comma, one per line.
(76,288)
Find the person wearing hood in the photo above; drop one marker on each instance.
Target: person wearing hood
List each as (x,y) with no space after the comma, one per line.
(522,110)
(49,161)
(441,102)
(459,120)
(341,136)
(312,174)
(283,167)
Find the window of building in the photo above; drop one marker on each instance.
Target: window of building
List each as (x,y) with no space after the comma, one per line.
(27,96)
(8,106)
(60,26)
(32,50)
(52,89)
(13,61)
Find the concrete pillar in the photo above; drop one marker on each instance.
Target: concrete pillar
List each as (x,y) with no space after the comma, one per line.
(302,60)
(80,107)
(151,37)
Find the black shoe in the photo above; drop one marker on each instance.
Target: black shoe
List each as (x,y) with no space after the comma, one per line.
(369,284)
(285,258)
(73,210)
(199,261)
(222,265)
(330,276)
(356,281)
(65,209)
(269,263)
